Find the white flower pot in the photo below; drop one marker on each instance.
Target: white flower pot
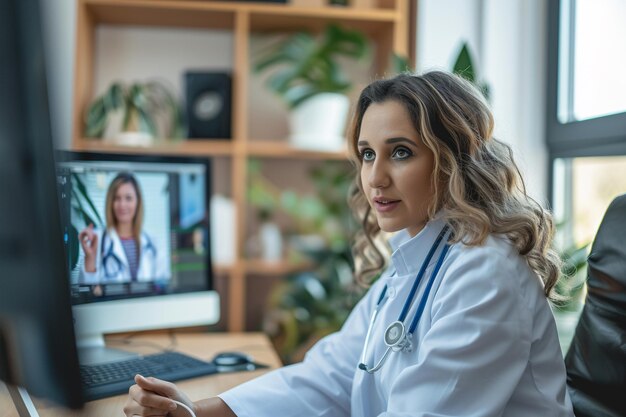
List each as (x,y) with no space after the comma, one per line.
(319,123)
(115,136)
(134,139)
(271,242)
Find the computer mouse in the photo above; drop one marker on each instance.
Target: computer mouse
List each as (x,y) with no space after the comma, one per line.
(231,359)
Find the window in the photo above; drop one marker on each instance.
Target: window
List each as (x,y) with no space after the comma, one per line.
(592,43)
(586,130)
(593,183)
(586,122)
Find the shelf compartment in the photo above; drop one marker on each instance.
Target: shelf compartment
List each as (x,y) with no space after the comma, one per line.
(276,149)
(261,267)
(314,19)
(202,147)
(222,269)
(279,268)
(212,147)
(221,15)
(161,13)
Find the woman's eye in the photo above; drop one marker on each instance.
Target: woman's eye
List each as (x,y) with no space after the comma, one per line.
(401,153)
(367,155)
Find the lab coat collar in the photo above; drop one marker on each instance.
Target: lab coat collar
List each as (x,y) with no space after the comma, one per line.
(409,252)
(143,239)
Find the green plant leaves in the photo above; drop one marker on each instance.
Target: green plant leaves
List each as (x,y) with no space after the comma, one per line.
(310,305)
(142,104)
(308,66)
(96,119)
(83,208)
(81,194)
(464,66)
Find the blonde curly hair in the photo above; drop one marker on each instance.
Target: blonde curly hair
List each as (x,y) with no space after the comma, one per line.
(476,181)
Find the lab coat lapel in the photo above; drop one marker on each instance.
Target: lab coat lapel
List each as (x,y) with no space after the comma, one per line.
(118,251)
(146,261)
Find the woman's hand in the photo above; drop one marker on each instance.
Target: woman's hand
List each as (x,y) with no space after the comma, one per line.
(153,397)
(88,239)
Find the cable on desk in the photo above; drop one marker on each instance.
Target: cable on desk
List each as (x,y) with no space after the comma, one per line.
(189,410)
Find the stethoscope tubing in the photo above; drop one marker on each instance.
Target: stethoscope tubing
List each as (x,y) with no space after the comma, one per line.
(420,275)
(404,342)
(371,326)
(424,299)
(118,262)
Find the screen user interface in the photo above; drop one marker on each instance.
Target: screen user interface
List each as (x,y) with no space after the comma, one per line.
(134,229)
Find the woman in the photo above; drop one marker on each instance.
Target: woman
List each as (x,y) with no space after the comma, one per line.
(122,252)
(466,283)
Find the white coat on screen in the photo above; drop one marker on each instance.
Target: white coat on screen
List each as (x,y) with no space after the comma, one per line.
(112,264)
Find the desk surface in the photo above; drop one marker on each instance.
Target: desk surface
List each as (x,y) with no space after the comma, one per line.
(201,345)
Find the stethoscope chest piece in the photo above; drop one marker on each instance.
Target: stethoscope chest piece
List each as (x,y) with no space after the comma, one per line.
(396,337)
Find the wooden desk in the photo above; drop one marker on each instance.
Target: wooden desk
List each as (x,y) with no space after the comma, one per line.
(201,345)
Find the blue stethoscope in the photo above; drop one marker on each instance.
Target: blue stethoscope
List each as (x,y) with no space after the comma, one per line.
(396,337)
(111,263)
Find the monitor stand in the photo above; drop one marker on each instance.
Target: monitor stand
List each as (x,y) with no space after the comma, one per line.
(93,351)
(23,403)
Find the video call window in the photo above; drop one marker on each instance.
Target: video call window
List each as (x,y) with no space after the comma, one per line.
(134,229)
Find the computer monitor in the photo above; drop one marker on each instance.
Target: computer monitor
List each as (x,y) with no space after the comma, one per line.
(37,349)
(136,229)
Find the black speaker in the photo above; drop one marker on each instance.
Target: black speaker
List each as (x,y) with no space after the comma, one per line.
(208,104)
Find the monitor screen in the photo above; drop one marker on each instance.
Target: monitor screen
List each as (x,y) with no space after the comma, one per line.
(134,225)
(136,232)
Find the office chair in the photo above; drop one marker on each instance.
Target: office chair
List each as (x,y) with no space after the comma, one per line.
(596,360)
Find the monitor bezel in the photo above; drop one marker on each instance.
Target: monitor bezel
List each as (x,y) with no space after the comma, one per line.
(83,156)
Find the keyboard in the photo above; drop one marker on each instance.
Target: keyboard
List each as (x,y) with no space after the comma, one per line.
(107,379)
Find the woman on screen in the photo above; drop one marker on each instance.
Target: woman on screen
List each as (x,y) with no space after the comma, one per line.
(123,252)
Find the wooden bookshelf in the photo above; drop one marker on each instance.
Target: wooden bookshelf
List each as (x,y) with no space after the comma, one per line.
(387,24)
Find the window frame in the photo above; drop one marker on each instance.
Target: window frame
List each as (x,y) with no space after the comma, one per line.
(601,136)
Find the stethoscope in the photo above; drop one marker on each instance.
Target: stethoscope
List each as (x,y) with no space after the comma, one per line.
(111,263)
(396,337)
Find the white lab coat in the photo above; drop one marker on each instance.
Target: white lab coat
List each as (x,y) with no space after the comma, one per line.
(486,345)
(151,267)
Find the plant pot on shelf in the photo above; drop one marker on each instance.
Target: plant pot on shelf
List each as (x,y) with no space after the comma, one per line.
(312,83)
(134,115)
(319,123)
(130,136)
(132,139)
(308,3)
(271,241)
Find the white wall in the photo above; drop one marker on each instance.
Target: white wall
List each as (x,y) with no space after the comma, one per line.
(133,54)
(508,40)
(515,42)
(442,26)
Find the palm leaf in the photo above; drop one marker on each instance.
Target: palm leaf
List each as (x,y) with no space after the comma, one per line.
(146,123)
(81,190)
(463,65)
(308,66)
(400,64)
(297,94)
(96,120)
(146,100)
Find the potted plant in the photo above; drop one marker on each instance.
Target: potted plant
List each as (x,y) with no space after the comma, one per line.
(310,304)
(312,84)
(134,114)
